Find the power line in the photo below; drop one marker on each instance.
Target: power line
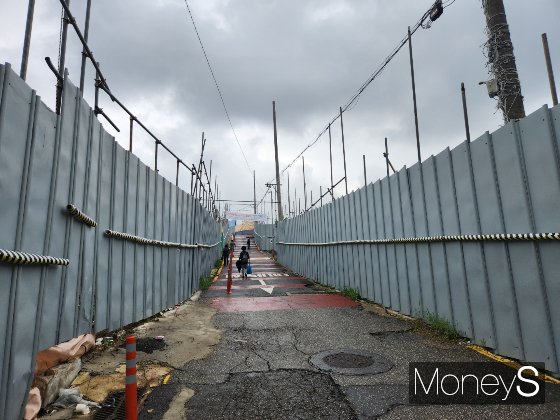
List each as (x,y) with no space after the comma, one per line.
(217,87)
(353,100)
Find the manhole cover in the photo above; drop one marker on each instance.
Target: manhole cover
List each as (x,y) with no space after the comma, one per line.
(351,362)
(348,360)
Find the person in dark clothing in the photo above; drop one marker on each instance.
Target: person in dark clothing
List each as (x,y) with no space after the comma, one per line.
(248,243)
(225,254)
(244,259)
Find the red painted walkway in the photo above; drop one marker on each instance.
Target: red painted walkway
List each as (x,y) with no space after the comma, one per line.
(274,303)
(271,287)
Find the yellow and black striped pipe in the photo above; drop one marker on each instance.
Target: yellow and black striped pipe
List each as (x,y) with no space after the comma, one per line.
(441,238)
(23,258)
(82,217)
(144,241)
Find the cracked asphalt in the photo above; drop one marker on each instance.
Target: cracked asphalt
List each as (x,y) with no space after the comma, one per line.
(260,368)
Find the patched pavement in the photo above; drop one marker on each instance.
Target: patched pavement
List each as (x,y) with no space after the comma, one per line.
(274,325)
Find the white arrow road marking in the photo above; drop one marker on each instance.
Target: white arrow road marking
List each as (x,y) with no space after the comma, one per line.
(266,289)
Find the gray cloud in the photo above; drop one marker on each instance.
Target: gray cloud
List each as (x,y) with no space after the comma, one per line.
(308,56)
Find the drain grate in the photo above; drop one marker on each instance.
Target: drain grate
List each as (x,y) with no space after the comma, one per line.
(348,360)
(351,362)
(113,407)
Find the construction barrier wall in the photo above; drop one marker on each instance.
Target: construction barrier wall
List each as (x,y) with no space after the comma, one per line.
(409,241)
(148,261)
(265,236)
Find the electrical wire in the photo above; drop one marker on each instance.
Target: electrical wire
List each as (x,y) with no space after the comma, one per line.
(218,87)
(349,105)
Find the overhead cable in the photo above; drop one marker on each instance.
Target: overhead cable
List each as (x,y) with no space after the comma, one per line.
(424,22)
(217,87)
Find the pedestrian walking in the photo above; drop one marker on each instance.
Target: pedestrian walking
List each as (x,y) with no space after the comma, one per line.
(225,254)
(244,259)
(248,243)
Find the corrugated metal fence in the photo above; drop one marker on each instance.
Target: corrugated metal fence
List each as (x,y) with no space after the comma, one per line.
(265,236)
(397,240)
(48,162)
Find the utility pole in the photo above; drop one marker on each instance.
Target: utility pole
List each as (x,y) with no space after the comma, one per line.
(365,176)
(271,208)
(413,97)
(304,186)
(254,194)
(278,191)
(330,155)
(343,151)
(502,60)
(289,209)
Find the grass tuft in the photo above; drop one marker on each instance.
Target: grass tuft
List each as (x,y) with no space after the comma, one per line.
(205,282)
(351,293)
(442,326)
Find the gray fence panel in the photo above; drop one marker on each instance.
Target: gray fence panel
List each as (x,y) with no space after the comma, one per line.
(140,274)
(473,253)
(181,232)
(383,254)
(350,263)
(439,261)
(315,250)
(117,246)
(538,341)
(455,261)
(102,279)
(16,332)
(72,129)
(330,256)
(498,260)
(374,249)
(354,280)
(338,215)
(392,283)
(400,250)
(361,250)
(129,282)
(411,250)
(424,250)
(326,262)
(346,264)
(9,107)
(167,264)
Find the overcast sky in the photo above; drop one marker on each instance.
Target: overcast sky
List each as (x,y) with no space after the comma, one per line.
(310,56)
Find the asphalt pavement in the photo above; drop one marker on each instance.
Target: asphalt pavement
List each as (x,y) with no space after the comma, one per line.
(291,349)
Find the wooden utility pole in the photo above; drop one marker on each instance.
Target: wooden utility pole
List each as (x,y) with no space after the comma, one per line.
(278,191)
(502,60)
